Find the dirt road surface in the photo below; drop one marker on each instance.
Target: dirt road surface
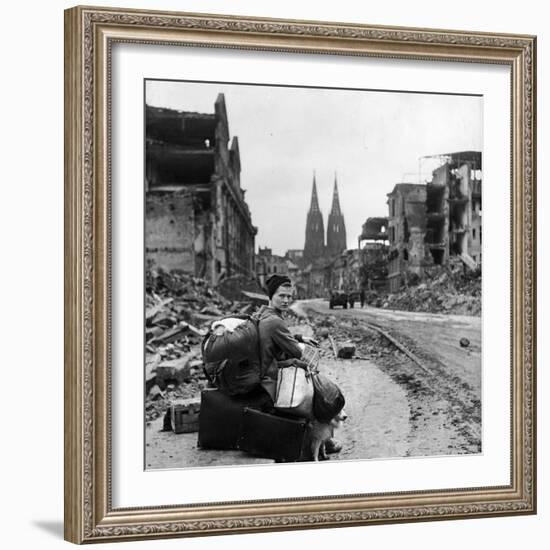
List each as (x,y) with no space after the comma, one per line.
(436,336)
(396,406)
(443,385)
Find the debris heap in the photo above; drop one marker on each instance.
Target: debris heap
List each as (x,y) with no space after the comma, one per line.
(449,289)
(179,308)
(335,335)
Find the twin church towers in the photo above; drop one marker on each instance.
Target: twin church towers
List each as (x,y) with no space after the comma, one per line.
(315,247)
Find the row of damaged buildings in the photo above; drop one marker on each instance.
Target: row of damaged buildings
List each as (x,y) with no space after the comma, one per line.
(427,224)
(198,220)
(312,279)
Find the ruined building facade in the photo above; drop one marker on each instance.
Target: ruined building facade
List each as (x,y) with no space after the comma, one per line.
(373,246)
(453,209)
(268,263)
(428,224)
(407,231)
(296,256)
(197,219)
(344,272)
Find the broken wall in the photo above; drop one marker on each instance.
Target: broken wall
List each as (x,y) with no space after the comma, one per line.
(475,237)
(170,231)
(472,189)
(459,210)
(437,213)
(417,251)
(415,212)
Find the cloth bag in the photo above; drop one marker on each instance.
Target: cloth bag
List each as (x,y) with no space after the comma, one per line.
(328,399)
(231,355)
(294,392)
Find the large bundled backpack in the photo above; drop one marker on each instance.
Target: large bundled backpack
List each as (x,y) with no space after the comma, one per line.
(231,354)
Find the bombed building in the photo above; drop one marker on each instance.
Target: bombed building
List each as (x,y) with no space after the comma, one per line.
(316,278)
(268,263)
(296,256)
(197,219)
(344,271)
(407,231)
(453,208)
(428,224)
(373,246)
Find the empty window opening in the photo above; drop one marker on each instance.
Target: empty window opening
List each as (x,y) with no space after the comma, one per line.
(435,199)
(438,256)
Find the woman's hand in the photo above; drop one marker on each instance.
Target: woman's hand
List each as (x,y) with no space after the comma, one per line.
(293,362)
(310,341)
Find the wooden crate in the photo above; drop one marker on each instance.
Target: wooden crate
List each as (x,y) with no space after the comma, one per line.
(184,416)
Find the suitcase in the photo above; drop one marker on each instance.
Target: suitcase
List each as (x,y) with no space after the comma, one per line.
(221,417)
(273,436)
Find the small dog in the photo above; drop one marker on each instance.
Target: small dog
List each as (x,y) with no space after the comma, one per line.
(321,432)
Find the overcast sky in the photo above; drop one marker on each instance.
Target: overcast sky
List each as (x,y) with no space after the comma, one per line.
(371,139)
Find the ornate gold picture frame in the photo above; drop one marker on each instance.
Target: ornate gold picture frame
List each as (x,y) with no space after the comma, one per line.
(90,36)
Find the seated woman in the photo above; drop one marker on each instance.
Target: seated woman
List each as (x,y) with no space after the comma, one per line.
(277,344)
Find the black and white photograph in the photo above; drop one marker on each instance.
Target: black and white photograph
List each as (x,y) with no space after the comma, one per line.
(313,284)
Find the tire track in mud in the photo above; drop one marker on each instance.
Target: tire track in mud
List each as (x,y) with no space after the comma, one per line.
(455,390)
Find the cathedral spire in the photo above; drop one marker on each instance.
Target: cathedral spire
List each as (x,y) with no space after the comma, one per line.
(314,247)
(335,199)
(336,227)
(314,206)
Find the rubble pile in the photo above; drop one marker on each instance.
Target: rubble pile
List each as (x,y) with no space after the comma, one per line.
(231,287)
(368,344)
(179,308)
(449,289)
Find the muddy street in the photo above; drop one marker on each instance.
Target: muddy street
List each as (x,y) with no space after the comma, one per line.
(442,378)
(422,403)
(434,336)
